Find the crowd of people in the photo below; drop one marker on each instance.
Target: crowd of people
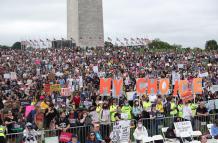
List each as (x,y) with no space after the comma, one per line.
(24,74)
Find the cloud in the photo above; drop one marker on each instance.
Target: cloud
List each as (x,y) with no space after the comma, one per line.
(185,22)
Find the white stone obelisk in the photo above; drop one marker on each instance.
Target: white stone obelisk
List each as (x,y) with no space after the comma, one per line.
(85,22)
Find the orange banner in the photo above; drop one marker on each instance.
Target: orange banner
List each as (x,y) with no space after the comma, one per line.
(152,84)
(139,83)
(105,86)
(118,86)
(164,86)
(197,86)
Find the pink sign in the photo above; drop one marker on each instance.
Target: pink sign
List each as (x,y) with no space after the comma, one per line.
(28,110)
(37,62)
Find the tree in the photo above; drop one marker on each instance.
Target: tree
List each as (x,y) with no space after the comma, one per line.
(211,45)
(16,45)
(158,44)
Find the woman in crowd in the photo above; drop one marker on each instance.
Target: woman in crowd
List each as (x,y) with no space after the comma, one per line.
(140,133)
(50,115)
(137,109)
(10,121)
(92,138)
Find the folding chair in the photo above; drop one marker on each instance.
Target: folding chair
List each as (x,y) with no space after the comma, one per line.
(157,138)
(164,130)
(166,140)
(195,142)
(147,139)
(209,126)
(196,134)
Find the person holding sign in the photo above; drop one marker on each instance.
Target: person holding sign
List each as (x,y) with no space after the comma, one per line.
(140,133)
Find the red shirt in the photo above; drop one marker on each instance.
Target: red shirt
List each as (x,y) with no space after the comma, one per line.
(76,100)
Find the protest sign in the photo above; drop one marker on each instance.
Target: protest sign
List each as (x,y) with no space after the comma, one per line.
(37,62)
(7,76)
(105,86)
(65,91)
(80,81)
(52,139)
(55,87)
(214,88)
(180,66)
(130,95)
(117,87)
(13,76)
(29,81)
(216,103)
(25,103)
(28,110)
(183,128)
(164,86)
(46,88)
(203,74)
(121,131)
(152,86)
(95,69)
(141,86)
(175,77)
(210,105)
(61,100)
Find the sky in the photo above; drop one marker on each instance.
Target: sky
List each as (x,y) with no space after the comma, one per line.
(187,22)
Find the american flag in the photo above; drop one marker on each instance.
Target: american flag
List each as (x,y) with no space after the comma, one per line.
(132,39)
(125,39)
(109,39)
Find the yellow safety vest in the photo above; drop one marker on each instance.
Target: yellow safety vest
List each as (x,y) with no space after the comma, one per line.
(146,105)
(193,108)
(173,108)
(2,131)
(113,109)
(180,108)
(127,110)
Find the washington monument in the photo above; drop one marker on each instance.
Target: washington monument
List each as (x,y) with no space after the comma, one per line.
(85,22)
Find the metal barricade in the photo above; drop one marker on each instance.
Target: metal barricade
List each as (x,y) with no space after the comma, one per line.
(152,125)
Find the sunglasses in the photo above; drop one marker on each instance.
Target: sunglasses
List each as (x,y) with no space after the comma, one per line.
(92,134)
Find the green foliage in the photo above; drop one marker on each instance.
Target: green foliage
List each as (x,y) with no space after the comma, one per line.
(211,45)
(159,45)
(16,45)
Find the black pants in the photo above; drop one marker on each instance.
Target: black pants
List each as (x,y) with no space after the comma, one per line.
(2,140)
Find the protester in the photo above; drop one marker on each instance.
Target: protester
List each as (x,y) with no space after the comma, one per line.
(62,123)
(92,138)
(140,132)
(29,134)
(203,139)
(37,77)
(214,129)
(74,139)
(2,132)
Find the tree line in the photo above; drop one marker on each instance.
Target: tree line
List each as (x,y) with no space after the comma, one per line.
(156,44)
